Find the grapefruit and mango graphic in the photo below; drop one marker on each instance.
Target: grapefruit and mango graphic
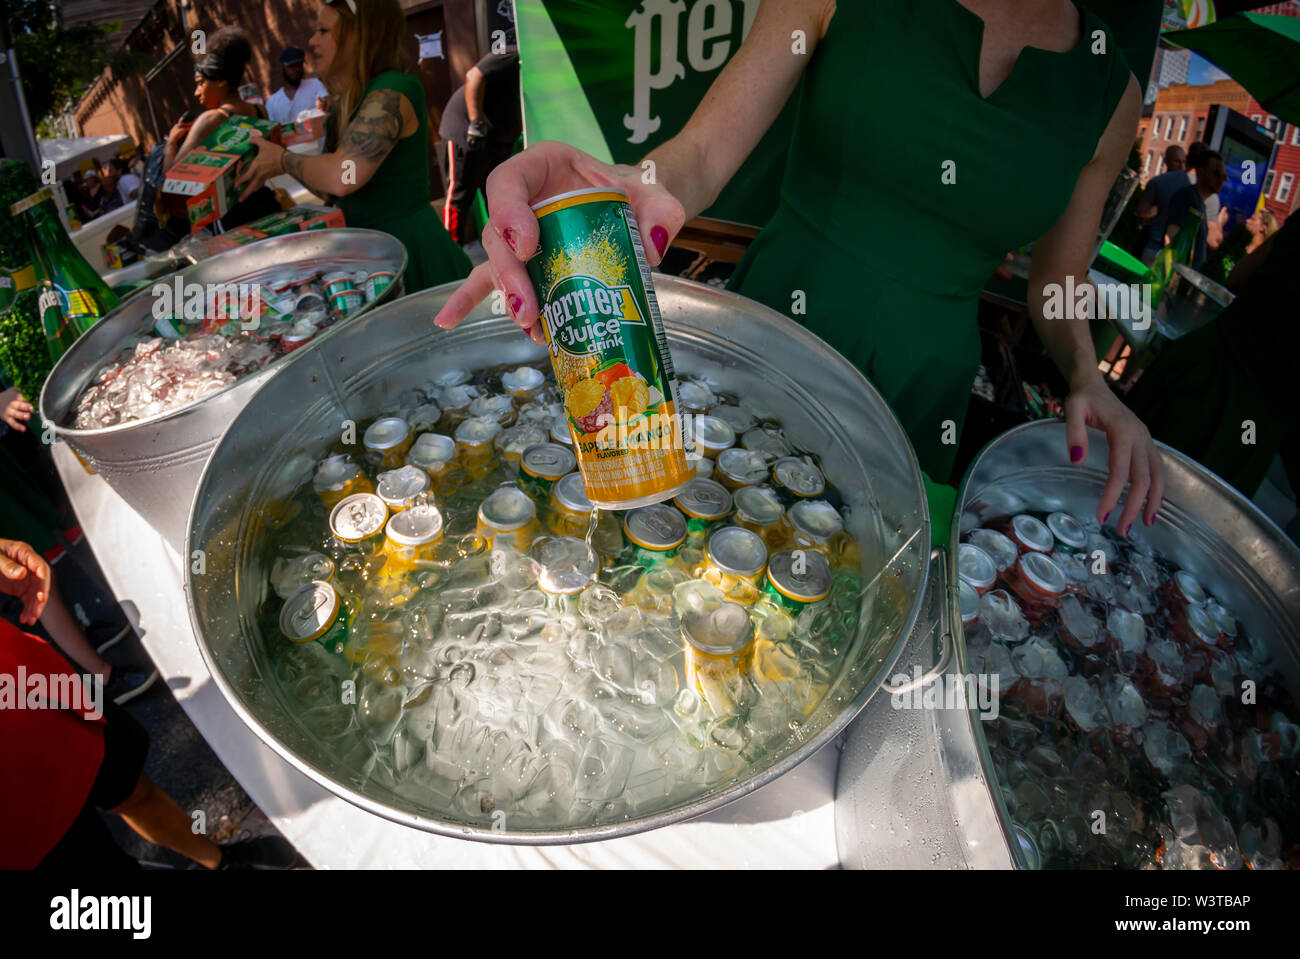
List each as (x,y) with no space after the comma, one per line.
(610,395)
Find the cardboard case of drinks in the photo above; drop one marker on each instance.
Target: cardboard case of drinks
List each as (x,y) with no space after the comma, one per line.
(205,176)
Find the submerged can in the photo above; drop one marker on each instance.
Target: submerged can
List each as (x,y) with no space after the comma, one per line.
(718,646)
(411,537)
(315,614)
(398,488)
(508,516)
(608,348)
(387,441)
(736,558)
(797,578)
(358,521)
(570,510)
(338,477)
(542,465)
(653,534)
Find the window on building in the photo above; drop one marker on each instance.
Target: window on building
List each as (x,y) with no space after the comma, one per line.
(1146,164)
(1169,127)
(1182,129)
(1268,183)
(1270,123)
(1200,128)
(1295,134)
(1284,187)
(1255,118)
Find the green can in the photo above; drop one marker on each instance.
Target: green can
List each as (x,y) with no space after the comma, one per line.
(653,535)
(797,578)
(608,349)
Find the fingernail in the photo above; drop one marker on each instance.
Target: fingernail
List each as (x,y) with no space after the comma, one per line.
(1151,519)
(515,302)
(508,234)
(659,237)
(1127,526)
(1106,517)
(1076,454)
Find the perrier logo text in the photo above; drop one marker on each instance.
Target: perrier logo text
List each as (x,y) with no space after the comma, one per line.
(584,316)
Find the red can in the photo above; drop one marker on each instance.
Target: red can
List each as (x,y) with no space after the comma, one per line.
(1039,583)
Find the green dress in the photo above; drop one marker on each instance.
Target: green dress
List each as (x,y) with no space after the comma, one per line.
(889,258)
(396,200)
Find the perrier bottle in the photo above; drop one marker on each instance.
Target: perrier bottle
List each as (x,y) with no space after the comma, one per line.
(1179,250)
(73,297)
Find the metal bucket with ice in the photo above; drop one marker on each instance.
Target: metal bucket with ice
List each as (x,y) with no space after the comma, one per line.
(1131,699)
(143,396)
(475,654)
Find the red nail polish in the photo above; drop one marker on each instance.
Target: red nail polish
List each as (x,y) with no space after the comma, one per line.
(1076,454)
(515,302)
(508,234)
(1106,517)
(659,237)
(1127,527)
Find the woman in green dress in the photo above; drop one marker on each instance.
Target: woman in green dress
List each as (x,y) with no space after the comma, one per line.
(380,170)
(932,136)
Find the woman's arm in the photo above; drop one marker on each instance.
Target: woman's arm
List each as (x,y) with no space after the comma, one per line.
(206,123)
(1066,251)
(385,117)
(689,170)
(741,103)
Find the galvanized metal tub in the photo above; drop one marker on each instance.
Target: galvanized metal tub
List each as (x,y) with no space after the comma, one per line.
(917,787)
(153,463)
(825,404)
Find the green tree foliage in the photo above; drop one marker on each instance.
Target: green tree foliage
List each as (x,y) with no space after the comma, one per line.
(58,62)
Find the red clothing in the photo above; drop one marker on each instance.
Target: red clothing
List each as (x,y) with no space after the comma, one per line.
(48,757)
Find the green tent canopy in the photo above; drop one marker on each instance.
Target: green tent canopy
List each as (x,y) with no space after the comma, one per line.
(1260,51)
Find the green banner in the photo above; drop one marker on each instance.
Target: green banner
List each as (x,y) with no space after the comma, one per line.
(619,77)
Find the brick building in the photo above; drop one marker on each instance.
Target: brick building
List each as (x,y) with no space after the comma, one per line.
(1180,115)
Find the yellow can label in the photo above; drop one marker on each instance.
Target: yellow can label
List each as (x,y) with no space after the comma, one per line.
(608,349)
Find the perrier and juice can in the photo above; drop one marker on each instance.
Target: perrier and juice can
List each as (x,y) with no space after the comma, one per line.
(608,349)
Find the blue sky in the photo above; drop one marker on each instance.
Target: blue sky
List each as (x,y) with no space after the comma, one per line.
(1201,71)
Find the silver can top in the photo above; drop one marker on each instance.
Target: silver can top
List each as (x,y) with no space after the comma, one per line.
(800,574)
(400,486)
(334,472)
(507,509)
(477,431)
(548,461)
(737,417)
(975,566)
(1042,572)
(743,467)
(568,564)
(799,476)
(497,407)
(386,433)
(1002,550)
(560,431)
(718,632)
(758,505)
(431,449)
(816,518)
(1067,530)
(416,526)
(1032,533)
(308,613)
(515,440)
(704,499)
(1189,588)
(571,493)
(768,442)
(710,433)
(525,379)
(737,551)
(358,516)
(658,527)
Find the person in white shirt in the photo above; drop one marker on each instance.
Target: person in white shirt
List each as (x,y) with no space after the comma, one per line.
(299,93)
(128,184)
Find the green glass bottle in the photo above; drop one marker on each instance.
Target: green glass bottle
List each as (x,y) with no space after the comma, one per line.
(1180,250)
(73,296)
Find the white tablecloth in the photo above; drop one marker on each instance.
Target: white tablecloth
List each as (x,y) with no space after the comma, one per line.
(788,823)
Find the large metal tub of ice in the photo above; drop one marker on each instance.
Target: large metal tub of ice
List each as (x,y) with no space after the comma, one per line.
(825,404)
(917,787)
(153,463)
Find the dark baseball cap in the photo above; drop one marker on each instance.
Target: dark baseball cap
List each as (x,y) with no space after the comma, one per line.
(291,55)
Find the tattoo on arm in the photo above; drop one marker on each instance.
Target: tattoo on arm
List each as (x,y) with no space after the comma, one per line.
(376,128)
(293,165)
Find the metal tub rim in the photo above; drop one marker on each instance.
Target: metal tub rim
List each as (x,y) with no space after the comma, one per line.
(636,824)
(289,239)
